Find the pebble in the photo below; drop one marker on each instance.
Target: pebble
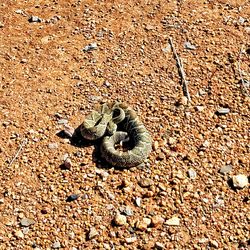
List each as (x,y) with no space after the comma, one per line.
(62,122)
(19,234)
(199,108)
(53,145)
(240,181)
(1,200)
(138,201)
(192,174)
(157,221)
(67,164)
(145,182)
(19,12)
(159,245)
(90,47)
(226,169)
(26,222)
(214,243)
(223,111)
(35,19)
(73,197)
(143,225)
(128,211)
(120,219)
(130,240)
(92,233)
(190,46)
(56,245)
(1,25)
(174,221)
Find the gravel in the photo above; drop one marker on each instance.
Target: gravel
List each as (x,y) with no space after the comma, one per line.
(58,80)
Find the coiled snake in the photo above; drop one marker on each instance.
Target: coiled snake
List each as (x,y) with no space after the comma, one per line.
(118,123)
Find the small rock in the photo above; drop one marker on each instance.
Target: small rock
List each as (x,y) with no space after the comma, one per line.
(240,181)
(25,230)
(143,225)
(73,197)
(199,108)
(138,201)
(222,111)
(192,174)
(19,234)
(145,182)
(90,47)
(174,221)
(26,222)
(157,221)
(92,233)
(214,243)
(183,101)
(1,25)
(107,84)
(56,245)
(1,200)
(69,131)
(53,145)
(130,240)
(128,211)
(159,245)
(226,169)
(161,156)
(19,12)
(120,219)
(167,49)
(62,121)
(67,164)
(190,46)
(35,19)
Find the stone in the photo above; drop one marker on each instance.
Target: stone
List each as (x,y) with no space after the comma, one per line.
(214,243)
(92,233)
(62,122)
(192,174)
(190,46)
(130,240)
(19,234)
(35,19)
(138,201)
(159,245)
(143,225)
(73,197)
(145,182)
(69,131)
(67,164)
(56,245)
(199,108)
(226,169)
(120,219)
(174,221)
(90,47)
(128,211)
(240,181)
(157,221)
(222,111)
(53,145)
(26,222)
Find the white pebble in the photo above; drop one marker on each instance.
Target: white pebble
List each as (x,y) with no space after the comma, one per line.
(240,181)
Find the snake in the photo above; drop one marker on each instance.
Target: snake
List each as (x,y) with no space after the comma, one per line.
(117,123)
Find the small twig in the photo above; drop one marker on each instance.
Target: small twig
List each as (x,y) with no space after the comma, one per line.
(240,72)
(18,151)
(181,71)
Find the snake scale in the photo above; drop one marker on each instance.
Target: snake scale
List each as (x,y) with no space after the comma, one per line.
(118,123)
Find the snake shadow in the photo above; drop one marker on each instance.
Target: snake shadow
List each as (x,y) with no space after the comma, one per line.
(78,141)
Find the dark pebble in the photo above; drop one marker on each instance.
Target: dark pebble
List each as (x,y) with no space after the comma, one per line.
(73,197)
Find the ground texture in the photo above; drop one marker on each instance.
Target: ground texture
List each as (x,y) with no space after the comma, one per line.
(179,199)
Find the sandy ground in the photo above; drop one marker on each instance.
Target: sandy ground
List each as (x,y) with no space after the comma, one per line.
(179,199)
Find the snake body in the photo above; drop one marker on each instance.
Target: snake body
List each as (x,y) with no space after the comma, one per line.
(116,123)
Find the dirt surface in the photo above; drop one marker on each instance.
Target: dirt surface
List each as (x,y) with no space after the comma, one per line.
(179,199)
